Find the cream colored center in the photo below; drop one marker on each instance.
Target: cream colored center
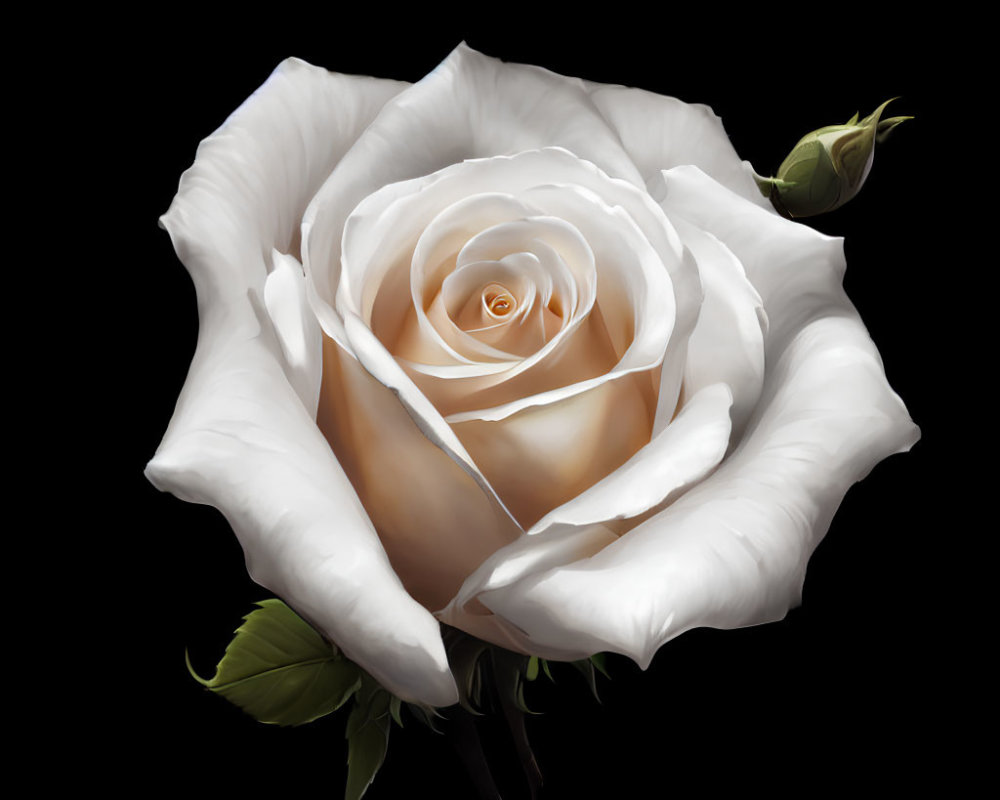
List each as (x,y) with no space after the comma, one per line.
(497,301)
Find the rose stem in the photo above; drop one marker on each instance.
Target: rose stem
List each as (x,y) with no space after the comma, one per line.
(464,738)
(515,718)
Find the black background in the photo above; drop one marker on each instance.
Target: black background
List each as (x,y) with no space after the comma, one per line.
(856,687)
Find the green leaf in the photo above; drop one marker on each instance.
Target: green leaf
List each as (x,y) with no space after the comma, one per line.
(367,737)
(280,670)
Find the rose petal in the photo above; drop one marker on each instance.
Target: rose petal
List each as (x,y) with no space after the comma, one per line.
(545,454)
(525,556)
(373,356)
(727,343)
(459,229)
(680,456)
(403,225)
(634,288)
(462,313)
(733,550)
(378,230)
(434,521)
(660,132)
(296,328)
(240,439)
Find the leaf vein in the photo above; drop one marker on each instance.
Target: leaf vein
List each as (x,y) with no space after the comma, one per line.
(274,670)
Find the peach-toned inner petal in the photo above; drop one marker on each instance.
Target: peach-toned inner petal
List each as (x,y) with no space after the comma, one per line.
(488,279)
(587,354)
(495,304)
(545,455)
(435,523)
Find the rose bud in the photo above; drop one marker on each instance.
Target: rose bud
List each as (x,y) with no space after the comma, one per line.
(828,166)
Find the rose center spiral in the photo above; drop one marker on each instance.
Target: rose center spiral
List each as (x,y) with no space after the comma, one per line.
(497,301)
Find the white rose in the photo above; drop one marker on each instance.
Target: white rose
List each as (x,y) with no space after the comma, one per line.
(517,352)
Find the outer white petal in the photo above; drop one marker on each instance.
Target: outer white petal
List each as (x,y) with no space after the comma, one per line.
(240,438)
(660,132)
(296,328)
(527,555)
(733,550)
(727,344)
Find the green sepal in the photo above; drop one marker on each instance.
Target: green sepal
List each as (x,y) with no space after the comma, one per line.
(531,671)
(509,671)
(586,668)
(464,657)
(886,126)
(367,736)
(395,704)
(876,115)
(769,186)
(546,669)
(280,671)
(599,660)
(426,715)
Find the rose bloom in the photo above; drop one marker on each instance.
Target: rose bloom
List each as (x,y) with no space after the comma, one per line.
(517,352)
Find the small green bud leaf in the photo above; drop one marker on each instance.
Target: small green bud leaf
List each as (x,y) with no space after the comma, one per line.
(280,670)
(828,166)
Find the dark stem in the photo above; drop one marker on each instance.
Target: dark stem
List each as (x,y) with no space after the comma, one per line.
(464,738)
(515,723)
